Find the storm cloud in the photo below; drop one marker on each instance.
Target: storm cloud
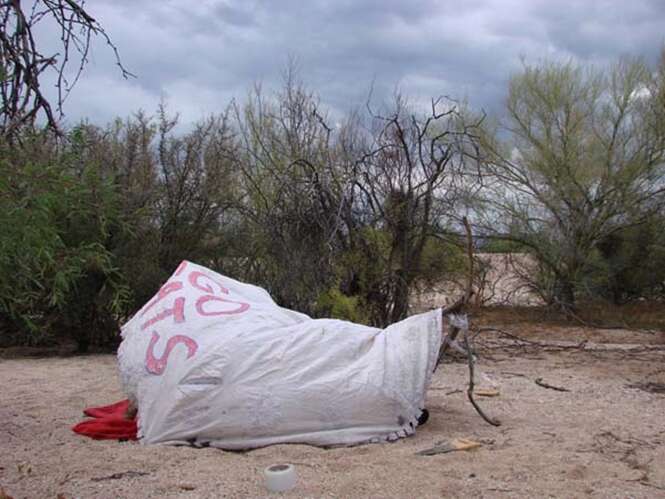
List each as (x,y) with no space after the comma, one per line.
(200,55)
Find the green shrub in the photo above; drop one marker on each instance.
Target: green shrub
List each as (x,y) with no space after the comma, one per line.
(58,279)
(633,262)
(333,303)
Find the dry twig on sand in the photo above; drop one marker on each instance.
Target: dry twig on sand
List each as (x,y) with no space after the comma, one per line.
(118,476)
(540,382)
(456,307)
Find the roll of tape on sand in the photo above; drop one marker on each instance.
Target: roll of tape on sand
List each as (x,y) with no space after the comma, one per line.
(280,477)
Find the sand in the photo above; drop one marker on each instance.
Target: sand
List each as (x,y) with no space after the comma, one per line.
(603,438)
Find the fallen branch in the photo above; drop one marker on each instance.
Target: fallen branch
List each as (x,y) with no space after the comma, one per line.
(523,342)
(459,305)
(646,483)
(648,386)
(118,476)
(540,382)
(516,375)
(507,335)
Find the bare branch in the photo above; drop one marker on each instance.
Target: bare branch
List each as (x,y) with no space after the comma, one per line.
(22,65)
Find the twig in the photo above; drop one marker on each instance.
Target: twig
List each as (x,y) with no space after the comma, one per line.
(469,254)
(300,463)
(66,479)
(459,305)
(469,391)
(509,335)
(648,386)
(433,451)
(647,484)
(540,382)
(10,433)
(117,476)
(523,342)
(517,375)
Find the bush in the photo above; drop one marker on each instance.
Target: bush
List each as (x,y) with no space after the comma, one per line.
(58,279)
(633,262)
(332,303)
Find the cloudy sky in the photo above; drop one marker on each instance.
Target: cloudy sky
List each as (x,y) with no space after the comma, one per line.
(198,55)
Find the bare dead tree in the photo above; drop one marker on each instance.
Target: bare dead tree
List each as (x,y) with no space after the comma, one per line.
(410,182)
(23,62)
(355,205)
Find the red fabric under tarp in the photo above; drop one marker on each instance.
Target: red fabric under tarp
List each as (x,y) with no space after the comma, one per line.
(109,423)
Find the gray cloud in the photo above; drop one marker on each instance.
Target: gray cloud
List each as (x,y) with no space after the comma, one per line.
(199,55)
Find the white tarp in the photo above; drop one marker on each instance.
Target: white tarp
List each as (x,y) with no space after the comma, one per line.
(211,360)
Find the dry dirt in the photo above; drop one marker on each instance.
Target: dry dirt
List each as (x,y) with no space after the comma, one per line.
(502,279)
(603,438)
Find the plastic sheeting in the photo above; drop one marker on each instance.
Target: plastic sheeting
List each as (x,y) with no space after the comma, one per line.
(213,361)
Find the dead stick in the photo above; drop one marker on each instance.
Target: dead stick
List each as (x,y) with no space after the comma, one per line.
(459,305)
(540,382)
(469,391)
(118,476)
(519,375)
(525,342)
(469,254)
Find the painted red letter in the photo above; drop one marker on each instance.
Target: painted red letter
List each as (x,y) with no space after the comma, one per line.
(164,291)
(194,278)
(156,365)
(178,313)
(208,298)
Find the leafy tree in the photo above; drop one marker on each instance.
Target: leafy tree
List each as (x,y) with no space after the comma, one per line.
(291,189)
(583,158)
(632,262)
(58,277)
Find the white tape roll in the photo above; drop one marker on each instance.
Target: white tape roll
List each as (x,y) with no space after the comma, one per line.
(280,477)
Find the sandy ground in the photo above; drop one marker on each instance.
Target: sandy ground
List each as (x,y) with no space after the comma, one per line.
(601,439)
(501,279)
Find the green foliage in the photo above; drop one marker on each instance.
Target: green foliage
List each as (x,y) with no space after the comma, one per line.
(57,275)
(633,262)
(332,303)
(584,159)
(367,273)
(502,246)
(340,221)
(442,260)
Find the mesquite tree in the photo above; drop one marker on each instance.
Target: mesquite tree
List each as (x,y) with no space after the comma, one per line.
(583,157)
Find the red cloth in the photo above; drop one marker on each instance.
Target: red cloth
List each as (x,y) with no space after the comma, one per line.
(109,423)
(117,409)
